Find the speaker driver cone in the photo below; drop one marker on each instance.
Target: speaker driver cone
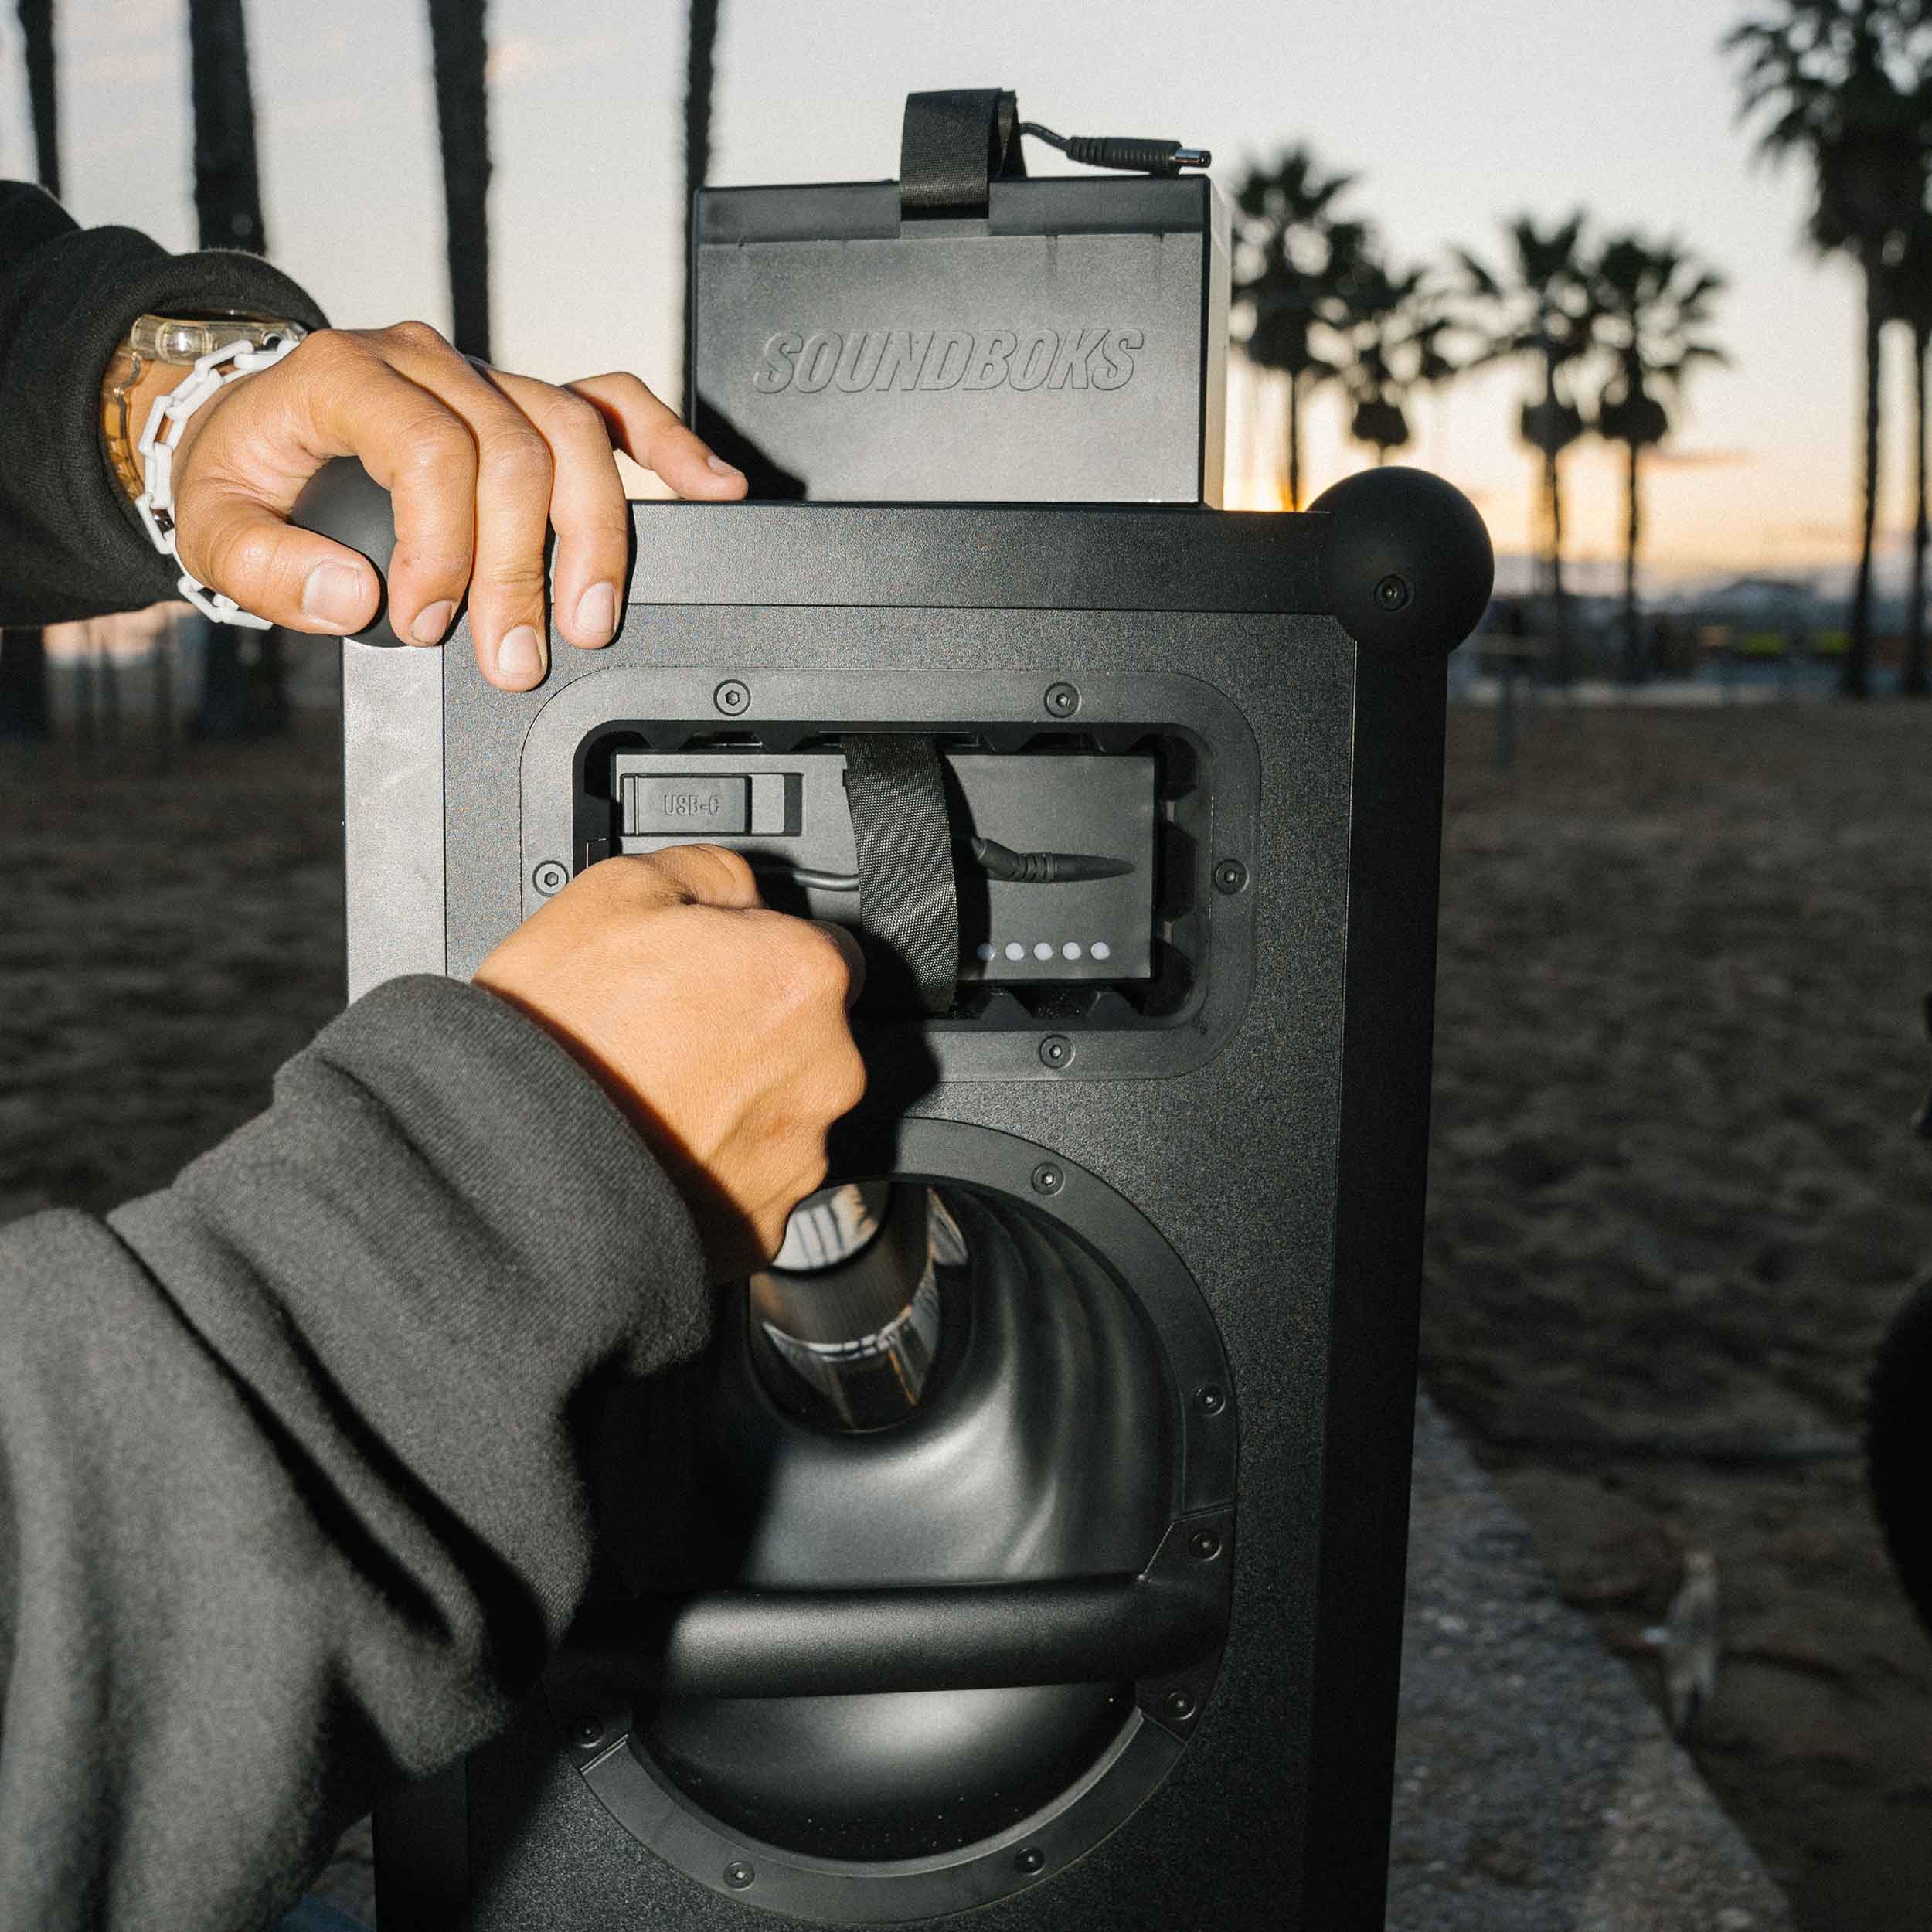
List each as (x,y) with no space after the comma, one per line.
(928,1462)
(1014,1424)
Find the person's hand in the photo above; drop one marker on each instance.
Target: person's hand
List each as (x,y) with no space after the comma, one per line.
(480,465)
(719,1027)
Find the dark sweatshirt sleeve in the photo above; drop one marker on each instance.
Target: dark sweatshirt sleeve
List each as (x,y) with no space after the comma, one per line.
(290,1503)
(70,544)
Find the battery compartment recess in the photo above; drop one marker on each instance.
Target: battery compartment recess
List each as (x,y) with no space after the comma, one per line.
(1119,954)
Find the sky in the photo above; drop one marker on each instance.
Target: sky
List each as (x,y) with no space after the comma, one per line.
(1453,116)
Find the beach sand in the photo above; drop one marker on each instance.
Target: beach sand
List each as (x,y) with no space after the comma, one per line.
(1674,1199)
(1674,1194)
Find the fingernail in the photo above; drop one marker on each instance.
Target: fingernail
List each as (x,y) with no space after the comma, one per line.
(719,467)
(431,621)
(335,594)
(519,657)
(597,610)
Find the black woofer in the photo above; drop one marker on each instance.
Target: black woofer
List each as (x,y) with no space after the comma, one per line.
(867,1625)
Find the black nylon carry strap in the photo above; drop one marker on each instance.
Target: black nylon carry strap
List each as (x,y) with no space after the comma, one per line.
(953,146)
(908,903)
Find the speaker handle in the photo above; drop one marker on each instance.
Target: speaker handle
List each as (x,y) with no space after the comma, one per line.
(342,501)
(824,1643)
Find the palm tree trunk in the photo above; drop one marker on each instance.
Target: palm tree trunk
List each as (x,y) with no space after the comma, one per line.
(1856,679)
(36,31)
(25,709)
(1294,440)
(228,193)
(1539,538)
(1554,484)
(1633,540)
(1912,681)
(700,71)
(228,212)
(459,43)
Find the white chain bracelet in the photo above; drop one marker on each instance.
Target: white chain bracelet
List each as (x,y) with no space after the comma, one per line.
(165,422)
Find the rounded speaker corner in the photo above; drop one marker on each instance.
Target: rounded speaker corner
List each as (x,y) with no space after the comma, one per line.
(1406,562)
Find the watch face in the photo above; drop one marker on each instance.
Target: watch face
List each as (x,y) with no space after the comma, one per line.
(183,338)
(180,342)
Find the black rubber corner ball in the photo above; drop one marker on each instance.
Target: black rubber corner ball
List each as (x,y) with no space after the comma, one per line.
(343,501)
(1406,561)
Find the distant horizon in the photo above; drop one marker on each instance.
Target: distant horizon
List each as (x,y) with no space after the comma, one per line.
(1454,119)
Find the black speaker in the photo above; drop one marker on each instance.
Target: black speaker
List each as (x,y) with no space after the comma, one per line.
(1031,1538)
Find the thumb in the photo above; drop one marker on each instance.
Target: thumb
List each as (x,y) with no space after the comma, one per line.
(238,545)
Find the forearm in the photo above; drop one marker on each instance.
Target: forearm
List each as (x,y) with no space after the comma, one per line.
(289,1454)
(71,544)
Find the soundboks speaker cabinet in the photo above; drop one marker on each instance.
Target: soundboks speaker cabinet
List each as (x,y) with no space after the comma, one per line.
(1104,1636)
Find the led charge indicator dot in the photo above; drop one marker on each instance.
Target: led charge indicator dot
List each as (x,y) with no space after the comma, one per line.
(1043,950)
(1101,949)
(1015,950)
(986,949)
(1071,949)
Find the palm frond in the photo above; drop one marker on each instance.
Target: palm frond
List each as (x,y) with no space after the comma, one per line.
(1481,282)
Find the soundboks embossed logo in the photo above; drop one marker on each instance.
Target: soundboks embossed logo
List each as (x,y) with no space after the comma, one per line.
(943,358)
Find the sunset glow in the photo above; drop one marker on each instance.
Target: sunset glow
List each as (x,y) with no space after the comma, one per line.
(1452,117)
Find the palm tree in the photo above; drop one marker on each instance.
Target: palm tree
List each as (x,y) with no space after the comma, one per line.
(1539,310)
(239,687)
(700,73)
(1395,332)
(1911,286)
(1295,264)
(36,31)
(228,193)
(1373,375)
(459,46)
(24,710)
(1652,304)
(1836,81)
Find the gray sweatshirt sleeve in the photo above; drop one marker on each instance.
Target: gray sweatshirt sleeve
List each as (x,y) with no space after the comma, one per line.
(290,1505)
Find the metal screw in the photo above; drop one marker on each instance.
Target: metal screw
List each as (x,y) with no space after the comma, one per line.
(1392,593)
(551,876)
(1031,1859)
(1056,1050)
(1178,1705)
(586,1734)
(1209,1400)
(732,698)
(1048,1178)
(1063,700)
(1204,1546)
(1230,876)
(738,1875)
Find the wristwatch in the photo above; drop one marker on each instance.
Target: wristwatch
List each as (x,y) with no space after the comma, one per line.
(174,341)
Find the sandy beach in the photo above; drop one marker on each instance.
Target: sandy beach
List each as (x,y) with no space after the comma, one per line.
(1674,1196)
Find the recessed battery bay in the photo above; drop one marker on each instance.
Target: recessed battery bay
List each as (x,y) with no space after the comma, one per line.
(789,815)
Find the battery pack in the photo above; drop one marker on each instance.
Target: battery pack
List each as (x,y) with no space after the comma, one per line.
(789,815)
(1067,345)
